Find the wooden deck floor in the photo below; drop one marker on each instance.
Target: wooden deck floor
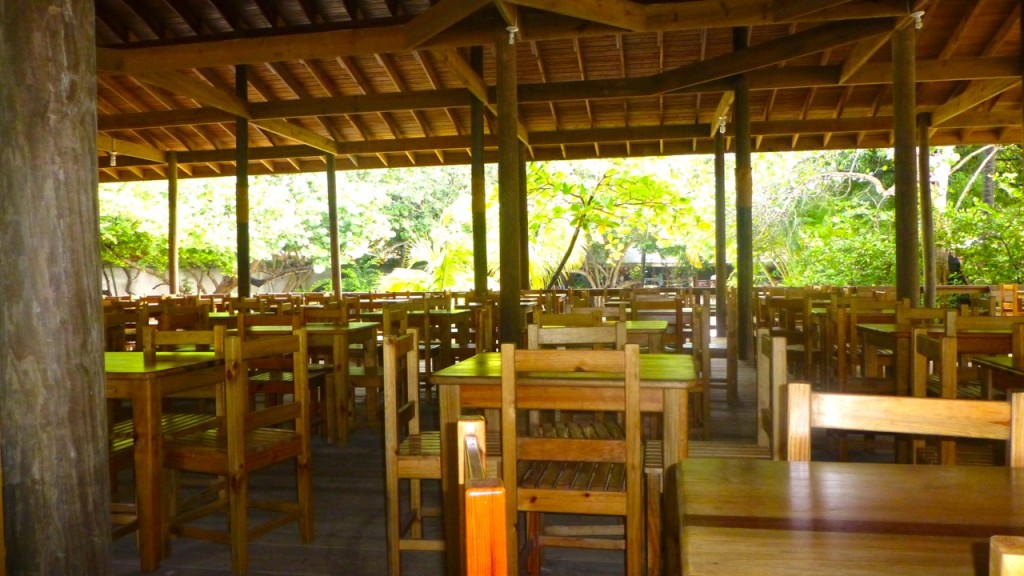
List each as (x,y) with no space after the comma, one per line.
(349,501)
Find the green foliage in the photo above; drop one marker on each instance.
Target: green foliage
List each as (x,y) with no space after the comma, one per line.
(989,239)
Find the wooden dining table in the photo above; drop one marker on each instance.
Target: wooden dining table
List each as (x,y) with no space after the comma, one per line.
(774,517)
(896,338)
(665,381)
(145,384)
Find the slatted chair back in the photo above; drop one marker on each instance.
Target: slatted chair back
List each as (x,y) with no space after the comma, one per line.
(592,318)
(615,461)
(249,438)
(211,340)
(410,454)
(616,312)
(771,378)
(484,539)
(1008,301)
(331,313)
(701,349)
(984,419)
(595,337)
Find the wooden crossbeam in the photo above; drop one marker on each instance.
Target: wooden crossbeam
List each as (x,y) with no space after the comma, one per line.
(196,89)
(439,18)
(109,144)
(328,45)
(772,52)
(975,94)
(475,84)
(786,10)
(722,110)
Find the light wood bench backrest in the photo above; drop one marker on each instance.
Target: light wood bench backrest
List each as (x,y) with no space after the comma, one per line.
(484,537)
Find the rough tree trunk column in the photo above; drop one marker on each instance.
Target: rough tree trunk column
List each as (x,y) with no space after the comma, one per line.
(52,408)
(904,98)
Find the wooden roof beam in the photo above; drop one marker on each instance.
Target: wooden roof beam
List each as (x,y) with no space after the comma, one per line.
(771,52)
(786,10)
(975,94)
(438,18)
(624,14)
(476,86)
(722,111)
(860,54)
(327,45)
(113,145)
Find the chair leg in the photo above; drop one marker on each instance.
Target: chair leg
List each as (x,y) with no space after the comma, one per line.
(416,507)
(304,487)
(392,519)
(534,522)
(653,513)
(238,523)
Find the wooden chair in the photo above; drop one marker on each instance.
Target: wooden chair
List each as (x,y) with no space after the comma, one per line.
(984,419)
(667,309)
(772,374)
(616,312)
(578,319)
(484,537)
(244,441)
(409,453)
(1006,556)
(395,322)
(1008,301)
(595,337)
(608,479)
(482,336)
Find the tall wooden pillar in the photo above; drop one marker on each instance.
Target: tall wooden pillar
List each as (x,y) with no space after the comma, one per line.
(477,182)
(508,192)
(242,186)
(744,203)
(905,165)
(332,207)
(721,269)
(173,284)
(924,177)
(56,492)
(524,222)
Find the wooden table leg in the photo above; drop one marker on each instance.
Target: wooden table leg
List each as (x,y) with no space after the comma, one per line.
(146,409)
(449,412)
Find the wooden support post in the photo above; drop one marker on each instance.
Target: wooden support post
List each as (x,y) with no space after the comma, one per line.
(56,490)
(927,212)
(173,284)
(242,186)
(477,182)
(524,222)
(905,165)
(721,269)
(508,192)
(744,204)
(332,207)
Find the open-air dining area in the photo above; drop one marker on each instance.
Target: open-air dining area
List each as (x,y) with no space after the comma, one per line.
(705,410)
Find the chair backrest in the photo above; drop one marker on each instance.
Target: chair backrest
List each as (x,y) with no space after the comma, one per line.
(668,309)
(199,340)
(937,351)
(592,318)
(332,313)
(395,319)
(616,312)
(484,537)
(596,337)
(771,377)
(985,419)
(1008,301)
(619,391)
(401,389)
(484,329)
(240,354)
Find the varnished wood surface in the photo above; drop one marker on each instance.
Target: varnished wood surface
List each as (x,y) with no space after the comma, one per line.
(975,501)
(751,552)
(656,371)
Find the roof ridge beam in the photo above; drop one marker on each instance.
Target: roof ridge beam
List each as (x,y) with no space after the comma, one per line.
(438,18)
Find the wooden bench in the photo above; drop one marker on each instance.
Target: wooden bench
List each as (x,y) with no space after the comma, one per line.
(483,528)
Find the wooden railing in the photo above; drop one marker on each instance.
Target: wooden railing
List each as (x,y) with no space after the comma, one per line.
(484,536)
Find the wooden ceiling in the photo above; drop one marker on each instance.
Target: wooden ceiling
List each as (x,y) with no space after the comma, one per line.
(388,83)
